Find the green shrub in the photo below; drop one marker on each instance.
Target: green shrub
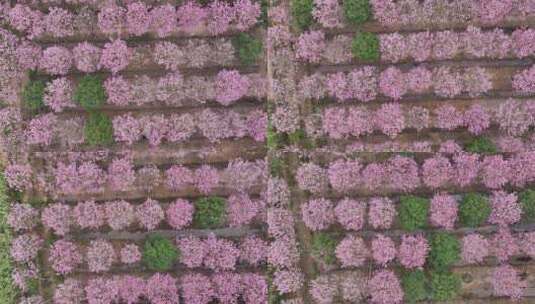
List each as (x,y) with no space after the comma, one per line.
(159,253)
(302,13)
(481,145)
(323,247)
(413,212)
(357,11)
(90,92)
(444,251)
(98,130)
(248,48)
(414,286)
(444,285)
(365,46)
(33,94)
(474,210)
(527,200)
(209,212)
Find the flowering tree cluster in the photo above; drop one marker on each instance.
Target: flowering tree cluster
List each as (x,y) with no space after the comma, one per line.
(136,19)
(513,117)
(401,173)
(164,289)
(393,13)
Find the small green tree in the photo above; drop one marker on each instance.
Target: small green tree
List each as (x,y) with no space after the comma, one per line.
(365,47)
(90,93)
(357,11)
(159,254)
(209,212)
(445,286)
(32,95)
(323,247)
(248,48)
(98,130)
(414,286)
(445,251)
(302,13)
(474,210)
(413,212)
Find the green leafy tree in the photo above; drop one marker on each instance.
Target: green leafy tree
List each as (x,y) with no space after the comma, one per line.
(445,251)
(209,212)
(481,145)
(90,93)
(357,11)
(414,286)
(413,212)
(527,200)
(98,130)
(302,13)
(445,286)
(159,253)
(248,48)
(474,210)
(32,95)
(365,46)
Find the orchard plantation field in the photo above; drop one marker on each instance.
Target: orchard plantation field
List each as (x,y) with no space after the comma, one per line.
(267,152)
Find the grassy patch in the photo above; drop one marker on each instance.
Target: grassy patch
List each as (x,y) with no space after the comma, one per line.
(481,145)
(527,200)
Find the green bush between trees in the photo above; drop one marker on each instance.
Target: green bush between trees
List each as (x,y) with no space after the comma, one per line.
(90,93)
(413,212)
(445,250)
(209,212)
(159,253)
(32,95)
(8,292)
(365,46)
(98,130)
(474,210)
(357,11)
(248,48)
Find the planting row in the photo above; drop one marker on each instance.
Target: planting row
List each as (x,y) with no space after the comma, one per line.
(99,129)
(385,287)
(429,13)
(158,253)
(472,43)
(402,173)
(443,211)
(204,213)
(116,56)
(435,143)
(513,117)
(173,89)
(162,288)
(365,84)
(136,19)
(414,251)
(88,177)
